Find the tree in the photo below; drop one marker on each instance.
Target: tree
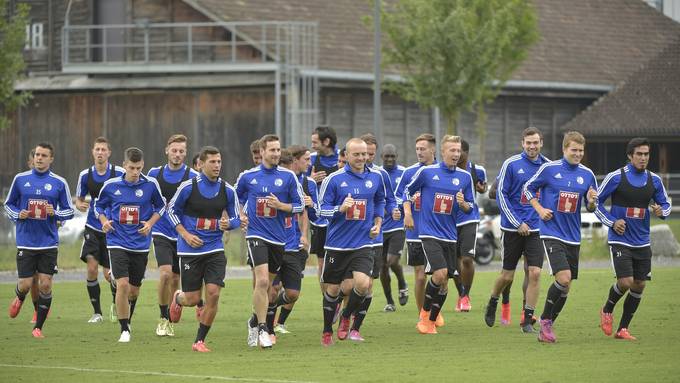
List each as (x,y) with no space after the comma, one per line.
(12,65)
(456,54)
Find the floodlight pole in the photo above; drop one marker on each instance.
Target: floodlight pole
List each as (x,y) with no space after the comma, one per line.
(377,117)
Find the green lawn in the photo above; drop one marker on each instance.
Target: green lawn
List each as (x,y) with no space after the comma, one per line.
(465,349)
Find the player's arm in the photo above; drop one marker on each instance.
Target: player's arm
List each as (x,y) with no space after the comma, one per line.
(313,211)
(481,179)
(468,198)
(232,208)
(81,192)
(662,205)
(64,209)
(101,206)
(531,187)
(328,197)
(591,195)
(505,182)
(12,209)
(607,187)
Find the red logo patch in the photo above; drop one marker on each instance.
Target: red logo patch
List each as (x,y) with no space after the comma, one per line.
(206,224)
(443,203)
(357,212)
(263,210)
(288,222)
(37,208)
(128,215)
(524,201)
(416,201)
(635,212)
(568,202)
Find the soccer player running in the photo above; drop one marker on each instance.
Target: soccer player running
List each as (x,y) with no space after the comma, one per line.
(269,193)
(353,200)
(444,188)
(467,232)
(196,211)
(393,235)
(37,199)
(631,189)
(128,206)
(425,151)
(563,184)
(169,177)
(520,226)
(94,251)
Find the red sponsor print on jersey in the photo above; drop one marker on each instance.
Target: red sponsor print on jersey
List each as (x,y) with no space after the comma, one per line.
(416,201)
(129,215)
(263,210)
(635,212)
(207,224)
(525,201)
(288,222)
(37,208)
(443,203)
(568,202)
(356,212)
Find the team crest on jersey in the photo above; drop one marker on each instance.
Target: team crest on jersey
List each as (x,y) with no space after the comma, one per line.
(139,193)
(278,182)
(455,181)
(368,184)
(48,187)
(579,179)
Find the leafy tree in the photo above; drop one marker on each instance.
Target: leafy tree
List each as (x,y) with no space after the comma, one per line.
(12,65)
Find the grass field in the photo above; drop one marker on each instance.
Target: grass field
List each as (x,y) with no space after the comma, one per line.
(465,349)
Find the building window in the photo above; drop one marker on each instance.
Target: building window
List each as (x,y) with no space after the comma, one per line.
(34,37)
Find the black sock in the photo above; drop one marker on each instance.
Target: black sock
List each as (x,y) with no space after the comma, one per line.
(35,306)
(551,298)
(282,298)
(630,305)
(165,311)
(399,273)
(329,304)
(283,315)
(557,307)
(132,308)
(200,303)
(94,292)
(112,285)
(387,289)
(431,291)
(614,295)
(253,321)
(124,325)
(202,332)
(361,312)
(20,295)
(528,314)
(352,304)
(44,303)
(271,315)
(459,286)
(506,294)
(437,304)
(466,289)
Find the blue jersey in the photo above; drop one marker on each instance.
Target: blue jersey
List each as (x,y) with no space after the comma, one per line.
(90,179)
(320,162)
(562,187)
(514,205)
(636,217)
(406,177)
(438,186)
(254,186)
(390,202)
(312,191)
(390,225)
(351,230)
(33,191)
(170,181)
(200,211)
(127,205)
(473,215)
(292,228)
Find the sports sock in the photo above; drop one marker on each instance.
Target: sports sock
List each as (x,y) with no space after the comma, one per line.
(557,307)
(361,312)
(614,295)
(630,305)
(253,321)
(506,294)
(353,304)
(466,289)
(94,292)
(132,303)
(202,332)
(283,315)
(329,304)
(528,314)
(124,325)
(437,304)
(386,282)
(20,295)
(271,315)
(398,271)
(551,298)
(282,299)
(44,303)
(165,311)
(431,291)
(112,285)
(459,286)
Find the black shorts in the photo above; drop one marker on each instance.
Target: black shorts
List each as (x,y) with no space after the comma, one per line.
(302,257)
(633,262)
(128,264)
(467,239)
(415,255)
(94,244)
(262,252)
(440,255)
(337,265)
(205,268)
(514,245)
(393,243)
(318,240)
(562,256)
(378,261)
(30,262)
(165,251)
(290,270)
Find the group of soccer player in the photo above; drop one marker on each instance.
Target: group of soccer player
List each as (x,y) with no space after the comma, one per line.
(360,216)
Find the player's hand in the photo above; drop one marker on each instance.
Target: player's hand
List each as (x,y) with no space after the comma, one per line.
(545,214)
(396,214)
(50,209)
(375,231)
(317,176)
(192,240)
(592,195)
(523,230)
(308,201)
(145,229)
(347,203)
(656,208)
(304,242)
(619,226)
(23,214)
(408,221)
(273,201)
(224,223)
(107,226)
(244,221)
(82,205)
